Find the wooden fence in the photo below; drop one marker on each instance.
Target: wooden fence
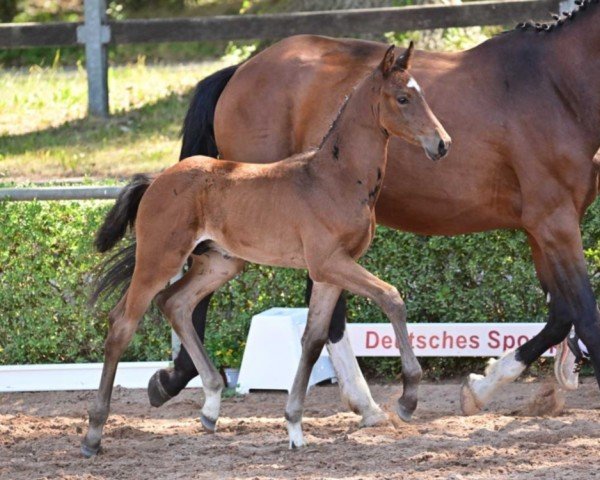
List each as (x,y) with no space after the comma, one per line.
(97,32)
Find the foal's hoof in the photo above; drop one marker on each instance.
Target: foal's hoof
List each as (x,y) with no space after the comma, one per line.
(209,425)
(87,451)
(376,418)
(297,444)
(156,392)
(295,435)
(468,401)
(404,413)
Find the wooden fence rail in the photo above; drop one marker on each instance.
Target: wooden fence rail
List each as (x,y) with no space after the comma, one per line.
(59,193)
(96,32)
(240,27)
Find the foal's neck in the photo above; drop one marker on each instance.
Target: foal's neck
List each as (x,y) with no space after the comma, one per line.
(355,149)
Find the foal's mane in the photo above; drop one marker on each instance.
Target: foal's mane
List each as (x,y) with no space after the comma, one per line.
(333,125)
(559,20)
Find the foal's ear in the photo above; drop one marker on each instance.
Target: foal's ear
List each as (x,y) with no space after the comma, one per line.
(403,61)
(387,64)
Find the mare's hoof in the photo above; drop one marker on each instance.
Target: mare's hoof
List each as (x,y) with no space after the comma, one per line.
(566,368)
(404,413)
(87,451)
(376,418)
(156,392)
(468,401)
(209,425)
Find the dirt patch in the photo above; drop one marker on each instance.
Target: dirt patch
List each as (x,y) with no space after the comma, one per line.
(40,434)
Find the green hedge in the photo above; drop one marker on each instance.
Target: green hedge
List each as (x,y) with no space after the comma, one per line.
(47,262)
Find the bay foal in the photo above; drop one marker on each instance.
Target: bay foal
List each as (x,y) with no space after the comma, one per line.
(313,211)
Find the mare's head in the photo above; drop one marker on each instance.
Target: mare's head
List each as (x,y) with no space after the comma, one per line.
(403,109)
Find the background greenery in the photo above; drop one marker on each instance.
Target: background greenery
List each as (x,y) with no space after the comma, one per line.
(46,266)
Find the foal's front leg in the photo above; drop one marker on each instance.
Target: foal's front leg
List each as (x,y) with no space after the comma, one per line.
(322,303)
(342,270)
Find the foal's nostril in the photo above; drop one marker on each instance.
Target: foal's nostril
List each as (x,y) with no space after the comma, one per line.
(442,150)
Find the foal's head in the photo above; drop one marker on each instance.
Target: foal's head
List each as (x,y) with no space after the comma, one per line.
(403,109)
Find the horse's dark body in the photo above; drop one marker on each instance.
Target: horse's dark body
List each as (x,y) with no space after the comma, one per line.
(524,112)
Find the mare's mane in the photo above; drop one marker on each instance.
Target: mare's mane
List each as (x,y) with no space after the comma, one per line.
(559,20)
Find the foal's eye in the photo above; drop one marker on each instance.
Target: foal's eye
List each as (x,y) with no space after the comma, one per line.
(402,100)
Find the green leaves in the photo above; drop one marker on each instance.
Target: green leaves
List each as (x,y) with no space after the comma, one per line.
(47,261)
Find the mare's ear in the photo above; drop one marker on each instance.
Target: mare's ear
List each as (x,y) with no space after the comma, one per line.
(387,64)
(403,61)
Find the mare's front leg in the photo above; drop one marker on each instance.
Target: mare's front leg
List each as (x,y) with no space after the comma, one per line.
(322,303)
(207,273)
(341,269)
(561,267)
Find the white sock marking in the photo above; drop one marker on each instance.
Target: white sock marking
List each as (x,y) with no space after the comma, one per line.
(498,373)
(295,433)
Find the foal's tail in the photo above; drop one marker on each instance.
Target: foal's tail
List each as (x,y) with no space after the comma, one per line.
(115,272)
(123,213)
(198,127)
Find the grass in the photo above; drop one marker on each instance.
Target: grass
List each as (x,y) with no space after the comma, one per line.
(44,132)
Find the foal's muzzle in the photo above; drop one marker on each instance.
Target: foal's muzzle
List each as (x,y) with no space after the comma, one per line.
(438,147)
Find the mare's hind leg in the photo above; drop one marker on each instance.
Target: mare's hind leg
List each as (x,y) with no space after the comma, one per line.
(322,303)
(123,319)
(166,383)
(354,390)
(207,273)
(343,271)
(561,268)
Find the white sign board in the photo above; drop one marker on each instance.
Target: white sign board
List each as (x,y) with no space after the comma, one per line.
(443,339)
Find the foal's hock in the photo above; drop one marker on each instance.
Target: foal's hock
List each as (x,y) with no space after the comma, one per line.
(318,210)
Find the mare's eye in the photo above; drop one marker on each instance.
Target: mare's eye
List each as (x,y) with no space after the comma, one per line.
(402,100)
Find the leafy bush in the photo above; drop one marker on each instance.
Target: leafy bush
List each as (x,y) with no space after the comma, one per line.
(46,264)
(8,10)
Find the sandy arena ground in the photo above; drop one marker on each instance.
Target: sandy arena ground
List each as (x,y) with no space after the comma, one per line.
(40,434)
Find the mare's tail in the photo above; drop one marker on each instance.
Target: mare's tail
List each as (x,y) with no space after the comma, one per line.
(116,271)
(198,127)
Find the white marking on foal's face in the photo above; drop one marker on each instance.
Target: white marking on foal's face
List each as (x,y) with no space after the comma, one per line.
(412,83)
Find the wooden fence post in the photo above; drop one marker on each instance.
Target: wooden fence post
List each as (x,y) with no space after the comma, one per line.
(95,34)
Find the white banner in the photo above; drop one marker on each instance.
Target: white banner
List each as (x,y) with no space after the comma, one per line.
(443,339)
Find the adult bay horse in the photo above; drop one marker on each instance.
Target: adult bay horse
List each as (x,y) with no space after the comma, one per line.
(523,109)
(314,210)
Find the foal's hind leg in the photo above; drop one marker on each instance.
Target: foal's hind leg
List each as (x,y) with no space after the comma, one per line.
(322,303)
(343,271)
(123,319)
(207,273)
